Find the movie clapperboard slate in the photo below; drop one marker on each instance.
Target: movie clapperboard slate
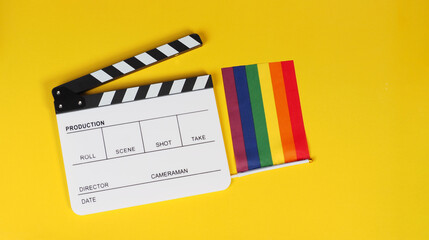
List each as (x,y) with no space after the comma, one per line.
(142,144)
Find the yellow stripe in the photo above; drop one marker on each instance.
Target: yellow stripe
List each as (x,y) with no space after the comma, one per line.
(271,114)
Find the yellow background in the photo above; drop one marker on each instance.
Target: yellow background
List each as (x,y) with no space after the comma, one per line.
(363,77)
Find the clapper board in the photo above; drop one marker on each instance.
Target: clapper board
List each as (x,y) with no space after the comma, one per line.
(142,144)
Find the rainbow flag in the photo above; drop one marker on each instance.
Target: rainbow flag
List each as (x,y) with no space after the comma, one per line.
(265,115)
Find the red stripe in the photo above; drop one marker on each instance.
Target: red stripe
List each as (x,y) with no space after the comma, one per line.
(296,120)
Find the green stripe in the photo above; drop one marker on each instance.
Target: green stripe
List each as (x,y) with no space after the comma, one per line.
(259,115)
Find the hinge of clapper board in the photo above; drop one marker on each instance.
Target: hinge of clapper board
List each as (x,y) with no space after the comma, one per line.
(68,96)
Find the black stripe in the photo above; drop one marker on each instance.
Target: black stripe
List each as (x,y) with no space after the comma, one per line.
(92,100)
(165,88)
(189,84)
(112,71)
(180,47)
(82,84)
(209,83)
(155,53)
(196,37)
(134,62)
(119,95)
(141,93)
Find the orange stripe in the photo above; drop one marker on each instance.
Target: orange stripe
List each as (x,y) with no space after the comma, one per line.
(283,112)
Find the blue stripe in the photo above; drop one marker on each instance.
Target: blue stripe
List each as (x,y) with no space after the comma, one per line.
(246,117)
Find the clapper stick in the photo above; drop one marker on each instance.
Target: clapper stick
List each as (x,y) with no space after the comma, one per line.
(67,96)
(148,91)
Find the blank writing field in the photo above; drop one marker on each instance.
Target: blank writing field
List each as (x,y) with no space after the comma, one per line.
(196,128)
(123,140)
(86,146)
(161,133)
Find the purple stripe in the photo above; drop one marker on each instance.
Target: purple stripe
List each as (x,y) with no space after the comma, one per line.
(234,119)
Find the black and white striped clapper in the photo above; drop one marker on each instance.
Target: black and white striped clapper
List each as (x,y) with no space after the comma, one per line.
(68,97)
(142,144)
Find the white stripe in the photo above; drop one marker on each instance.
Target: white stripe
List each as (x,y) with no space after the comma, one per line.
(270,168)
(189,41)
(201,81)
(101,75)
(130,94)
(167,50)
(106,99)
(145,58)
(153,90)
(123,67)
(177,86)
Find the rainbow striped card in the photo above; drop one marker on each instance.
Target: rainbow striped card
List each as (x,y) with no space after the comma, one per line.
(265,116)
